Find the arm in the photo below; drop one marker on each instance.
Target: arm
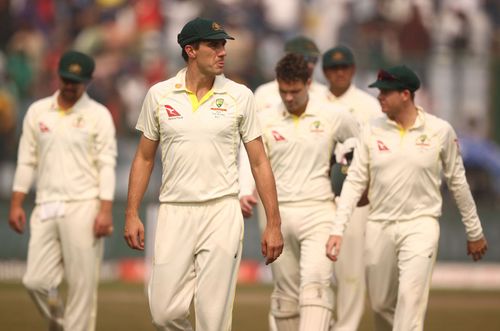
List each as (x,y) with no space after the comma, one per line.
(355,184)
(17,215)
(25,171)
(106,162)
(140,172)
(454,172)
(248,197)
(272,240)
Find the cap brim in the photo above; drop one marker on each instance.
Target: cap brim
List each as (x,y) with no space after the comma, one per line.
(73,77)
(217,36)
(338,64)
(387,85)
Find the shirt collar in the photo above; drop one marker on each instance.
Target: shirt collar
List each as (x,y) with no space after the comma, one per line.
(419,121)
(349,90)
(78,105)
(311,110)
(219,86)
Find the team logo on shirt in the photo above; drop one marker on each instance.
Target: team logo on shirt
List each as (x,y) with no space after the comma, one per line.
(218,104)
(43,128)
(79,122)
(423,141)
(316,127)
(381,146)
(277,136)
(172,113)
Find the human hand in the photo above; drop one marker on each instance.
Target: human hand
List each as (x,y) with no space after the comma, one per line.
(246,203)
(272,243)
(333,247)
(103,224)
(17,219)
(477,248)
(134,232)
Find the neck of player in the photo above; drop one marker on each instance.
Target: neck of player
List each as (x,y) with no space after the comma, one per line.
(198,83)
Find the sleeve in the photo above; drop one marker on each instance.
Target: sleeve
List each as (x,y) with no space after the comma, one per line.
(249,125)
(148,118)
(454,173)
(354,185)
(27,158)
(106,152)
(247,183)
(348,127)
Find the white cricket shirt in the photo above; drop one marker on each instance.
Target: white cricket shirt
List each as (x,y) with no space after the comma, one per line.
(403,169)
(300,148)
(72,152)
(360,104)
(199,140)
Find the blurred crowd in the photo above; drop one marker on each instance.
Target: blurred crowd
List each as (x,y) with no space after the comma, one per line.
(450,43)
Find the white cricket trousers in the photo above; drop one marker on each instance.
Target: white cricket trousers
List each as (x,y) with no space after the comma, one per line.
(349,280)
(400,257)
(303,263)
(197,254)
(66,246)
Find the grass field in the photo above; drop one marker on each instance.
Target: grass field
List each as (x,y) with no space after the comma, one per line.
(124,307)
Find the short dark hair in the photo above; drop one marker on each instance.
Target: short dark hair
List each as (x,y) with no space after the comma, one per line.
(291,68)
(195,45)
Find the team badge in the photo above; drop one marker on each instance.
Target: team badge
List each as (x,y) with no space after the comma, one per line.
(75,68)
(338,56)
(316,127)
(79,122)
(216,26)
(219,102)
(423,141)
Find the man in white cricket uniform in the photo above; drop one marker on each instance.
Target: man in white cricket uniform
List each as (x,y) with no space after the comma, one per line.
(339,68)
(401,158)
(300,135)
(199,118)
(68,143)
(267,98)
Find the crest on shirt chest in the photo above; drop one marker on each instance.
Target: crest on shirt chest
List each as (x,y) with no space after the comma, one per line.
(218,108)
(423,141)
(316,127)
(79,122)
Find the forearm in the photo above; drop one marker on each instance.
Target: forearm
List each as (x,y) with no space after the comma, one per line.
(140,173)
(17,199)
(107,182)
(264,180)
(23,178)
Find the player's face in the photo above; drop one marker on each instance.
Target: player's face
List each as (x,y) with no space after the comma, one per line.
(210,56)
(340,77)
(70,91)
(294,95)
(391,102)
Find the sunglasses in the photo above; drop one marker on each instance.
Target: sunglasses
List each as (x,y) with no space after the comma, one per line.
(384,75)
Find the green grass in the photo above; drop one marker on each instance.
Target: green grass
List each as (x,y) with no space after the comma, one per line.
(124,307)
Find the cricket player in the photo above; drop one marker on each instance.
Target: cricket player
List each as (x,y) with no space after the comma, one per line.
(267,98)
(339,69)
(68,143)
(401,157)
(300,135)
(198,118)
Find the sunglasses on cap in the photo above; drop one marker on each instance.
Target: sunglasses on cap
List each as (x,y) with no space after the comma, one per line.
(384,75)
